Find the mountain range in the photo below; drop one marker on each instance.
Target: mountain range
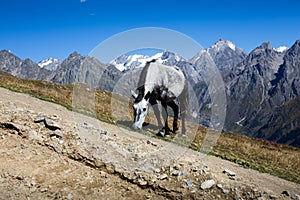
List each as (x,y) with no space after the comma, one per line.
(262,87)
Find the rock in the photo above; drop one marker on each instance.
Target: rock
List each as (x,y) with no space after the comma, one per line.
(176,167)
(194,169)
(70,196)
(286,193)
(20,178)
(152,143)
(219,186)
(176,173)
(137,156)
(51,124)
(58,150)
(184,173)
(57,133)
(34,135)
(22,146)
(273,196)
(229,172)
(102,132)
(189,183)
(154,161)
(207,184)
(296,197)
(163,176)
(39,119)
(87,125)
(142,182)
(225,191)
(131,148)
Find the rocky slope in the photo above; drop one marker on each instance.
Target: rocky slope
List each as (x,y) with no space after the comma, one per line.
(49,152)
(250,82)
(279,119)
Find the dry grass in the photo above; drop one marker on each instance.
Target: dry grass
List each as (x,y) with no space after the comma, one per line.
(278,160)
(272,158)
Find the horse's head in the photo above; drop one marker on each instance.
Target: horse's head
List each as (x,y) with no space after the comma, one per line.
(140,108)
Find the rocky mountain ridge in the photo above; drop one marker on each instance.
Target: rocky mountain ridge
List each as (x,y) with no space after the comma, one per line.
(258,86)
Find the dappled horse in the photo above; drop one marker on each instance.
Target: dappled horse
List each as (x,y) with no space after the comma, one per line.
(162,83)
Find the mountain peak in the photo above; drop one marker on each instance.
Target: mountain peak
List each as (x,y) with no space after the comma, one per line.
(265,45)
(222,44)
(224,53)
(6,52)
(74,54)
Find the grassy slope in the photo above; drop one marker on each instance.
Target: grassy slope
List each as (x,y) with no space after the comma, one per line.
(278,160)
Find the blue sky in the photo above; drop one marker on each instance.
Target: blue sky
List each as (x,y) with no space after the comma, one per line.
(39,29)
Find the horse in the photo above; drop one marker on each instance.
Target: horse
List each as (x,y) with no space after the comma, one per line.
(162,83)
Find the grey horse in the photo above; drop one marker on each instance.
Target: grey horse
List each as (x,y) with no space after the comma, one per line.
(162,83)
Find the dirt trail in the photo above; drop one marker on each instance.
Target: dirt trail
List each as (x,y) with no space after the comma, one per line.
(89,159)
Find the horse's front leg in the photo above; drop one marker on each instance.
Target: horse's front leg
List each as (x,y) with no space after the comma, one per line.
(154,105)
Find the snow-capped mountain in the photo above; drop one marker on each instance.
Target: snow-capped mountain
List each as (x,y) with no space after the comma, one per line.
(224,53)
(223,44)
(129,62)
(50,64)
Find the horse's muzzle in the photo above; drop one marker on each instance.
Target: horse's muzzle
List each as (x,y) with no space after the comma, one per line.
(135,127)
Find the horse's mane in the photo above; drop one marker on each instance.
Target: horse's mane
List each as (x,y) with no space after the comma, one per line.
(141,83)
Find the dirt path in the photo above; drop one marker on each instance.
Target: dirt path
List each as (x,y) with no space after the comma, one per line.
(88,159)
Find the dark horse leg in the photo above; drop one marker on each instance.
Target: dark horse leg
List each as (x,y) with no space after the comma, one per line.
(175,109)
(165,118)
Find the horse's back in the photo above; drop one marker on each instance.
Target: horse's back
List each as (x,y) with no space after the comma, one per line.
(170,77)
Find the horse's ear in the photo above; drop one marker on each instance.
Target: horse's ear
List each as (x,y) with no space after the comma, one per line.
(147,96)
(133,94)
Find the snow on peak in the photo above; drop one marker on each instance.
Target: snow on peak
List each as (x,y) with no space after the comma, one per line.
(126,62)
(49,64)
(281,49)
(222,44)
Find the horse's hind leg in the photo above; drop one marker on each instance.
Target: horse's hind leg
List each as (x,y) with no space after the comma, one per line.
(165,118)
(175,109)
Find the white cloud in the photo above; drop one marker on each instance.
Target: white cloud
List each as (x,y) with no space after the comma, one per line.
(82,1)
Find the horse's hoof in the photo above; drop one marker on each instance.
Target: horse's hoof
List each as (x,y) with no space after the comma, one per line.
(160,134)
(183,135)
(175,130)
(167,136)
